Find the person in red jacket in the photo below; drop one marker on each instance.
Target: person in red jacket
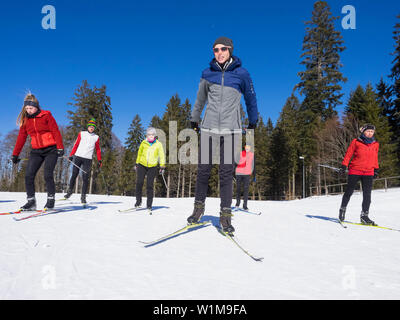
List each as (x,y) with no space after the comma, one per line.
(362,159)
(243,172)
(47,147)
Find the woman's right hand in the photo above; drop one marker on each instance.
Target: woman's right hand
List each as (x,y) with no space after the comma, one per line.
(15,159)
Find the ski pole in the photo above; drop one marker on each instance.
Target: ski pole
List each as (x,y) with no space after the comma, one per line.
(329,167)
(65,157)
(104,181)
(162,174)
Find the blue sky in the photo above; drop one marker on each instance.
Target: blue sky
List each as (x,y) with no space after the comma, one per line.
(145,53)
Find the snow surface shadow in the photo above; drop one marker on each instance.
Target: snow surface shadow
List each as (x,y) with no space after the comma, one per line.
(153,208)
(213,219)
(335,220)
(67,209)
(1,201)
(177,235)
(105,202)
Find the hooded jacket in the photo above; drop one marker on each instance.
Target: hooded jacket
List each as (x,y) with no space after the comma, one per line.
(43,131)
(222,89)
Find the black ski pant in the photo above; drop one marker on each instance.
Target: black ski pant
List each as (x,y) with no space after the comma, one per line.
(221,150)
(85,165)
(366,183)
(242,180)
(141,172)
(37,157)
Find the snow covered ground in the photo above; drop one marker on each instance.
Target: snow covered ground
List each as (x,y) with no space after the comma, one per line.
(95,253)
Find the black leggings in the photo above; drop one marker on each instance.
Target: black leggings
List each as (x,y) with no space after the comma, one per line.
(366,183)
(37,157)
(225,169)
(141,172)
(245,181)
(86,165)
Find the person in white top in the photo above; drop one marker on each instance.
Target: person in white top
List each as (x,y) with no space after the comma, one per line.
(81,156)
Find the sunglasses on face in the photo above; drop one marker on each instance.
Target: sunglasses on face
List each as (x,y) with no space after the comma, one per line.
(223,49)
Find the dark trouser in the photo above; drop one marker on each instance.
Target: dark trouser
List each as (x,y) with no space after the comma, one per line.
(225,160)
(141,172)
(37,157)
(245,181)
(86,165)
(366,183)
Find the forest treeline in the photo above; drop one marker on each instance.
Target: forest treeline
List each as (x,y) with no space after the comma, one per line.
(308,127)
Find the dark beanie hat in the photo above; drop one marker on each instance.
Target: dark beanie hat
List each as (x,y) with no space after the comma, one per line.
(367,126)
(226,42)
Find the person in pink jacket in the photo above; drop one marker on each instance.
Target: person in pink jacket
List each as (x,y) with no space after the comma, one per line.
(243,172)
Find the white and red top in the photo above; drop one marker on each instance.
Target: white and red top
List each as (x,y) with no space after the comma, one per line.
(85,144)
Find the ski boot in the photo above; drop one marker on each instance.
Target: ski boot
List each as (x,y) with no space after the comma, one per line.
(68,194)
(245,207)
(225,221)
(366,220)
(83,200)
(198,212)
(237,204)
(30,205)
(138,204)
(150,210)
(342,213)
(49,203)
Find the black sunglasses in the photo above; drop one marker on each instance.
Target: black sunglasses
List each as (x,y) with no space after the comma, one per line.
(223,49)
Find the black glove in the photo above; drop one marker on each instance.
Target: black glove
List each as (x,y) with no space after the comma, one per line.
(252,126)
(15,159)
(99,163)
(376,173)
(342,169)
(194,126)
(60,153)
(71,158)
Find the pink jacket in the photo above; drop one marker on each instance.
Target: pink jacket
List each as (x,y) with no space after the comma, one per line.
(246,163)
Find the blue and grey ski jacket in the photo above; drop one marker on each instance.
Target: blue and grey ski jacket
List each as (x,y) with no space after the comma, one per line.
(222,89)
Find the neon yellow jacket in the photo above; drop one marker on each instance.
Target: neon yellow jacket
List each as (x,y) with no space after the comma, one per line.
(150,154)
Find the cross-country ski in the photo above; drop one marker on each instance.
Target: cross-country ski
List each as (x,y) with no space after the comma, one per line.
(195,150)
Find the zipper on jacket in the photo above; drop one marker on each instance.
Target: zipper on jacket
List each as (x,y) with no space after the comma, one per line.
(37,133)
(227,64)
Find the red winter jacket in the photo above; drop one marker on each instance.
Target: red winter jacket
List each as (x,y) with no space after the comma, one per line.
(43,131)
(365,158)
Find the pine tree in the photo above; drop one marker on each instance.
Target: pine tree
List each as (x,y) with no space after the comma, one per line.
(127,177)
(394,114)
(320,82)
(136,135)
(288,123)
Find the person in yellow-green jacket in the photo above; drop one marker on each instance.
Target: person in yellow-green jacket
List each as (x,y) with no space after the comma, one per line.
(150,154)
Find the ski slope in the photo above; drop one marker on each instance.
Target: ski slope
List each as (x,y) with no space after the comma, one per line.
(95,253)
